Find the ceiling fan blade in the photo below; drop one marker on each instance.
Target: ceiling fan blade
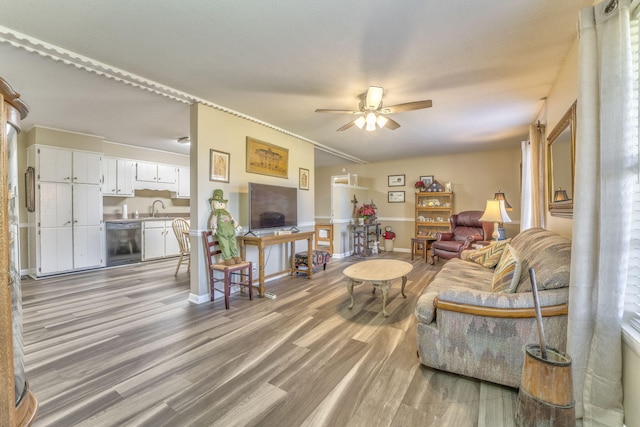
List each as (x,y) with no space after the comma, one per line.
(391,124)
(330,110)
(398,108)
(347,126)
(374,98)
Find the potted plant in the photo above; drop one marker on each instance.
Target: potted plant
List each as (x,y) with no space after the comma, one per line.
(366,212)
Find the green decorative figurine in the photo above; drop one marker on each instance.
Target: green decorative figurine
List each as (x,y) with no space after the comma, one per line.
(224,225)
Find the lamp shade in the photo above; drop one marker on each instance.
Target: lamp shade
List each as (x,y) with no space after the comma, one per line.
(371,118)
(500,196)
(560,195)
(495,212)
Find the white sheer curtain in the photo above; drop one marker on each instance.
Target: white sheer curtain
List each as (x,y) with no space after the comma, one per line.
(602,212)
(532,182)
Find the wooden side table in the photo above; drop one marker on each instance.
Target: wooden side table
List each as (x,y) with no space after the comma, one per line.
(421,244)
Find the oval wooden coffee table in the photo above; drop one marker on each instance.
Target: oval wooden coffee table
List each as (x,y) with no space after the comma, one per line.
(379,273)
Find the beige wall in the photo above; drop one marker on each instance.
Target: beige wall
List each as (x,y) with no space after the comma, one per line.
(562,95)
(631,385)
(215,129)
(475,179)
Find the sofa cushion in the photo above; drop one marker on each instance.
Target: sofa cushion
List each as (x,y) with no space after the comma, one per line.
(507,274)
(489,256)
(455,273)
(548,253)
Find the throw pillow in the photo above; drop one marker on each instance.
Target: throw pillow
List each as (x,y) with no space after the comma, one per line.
(507,274)
(489,256)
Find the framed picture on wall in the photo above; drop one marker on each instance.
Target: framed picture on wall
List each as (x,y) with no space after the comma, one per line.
(428,180)
(267,159)
(303,182)
(395,197)
(219,166)
(396,181)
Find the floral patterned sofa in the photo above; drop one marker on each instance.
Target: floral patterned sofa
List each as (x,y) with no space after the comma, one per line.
(475,319)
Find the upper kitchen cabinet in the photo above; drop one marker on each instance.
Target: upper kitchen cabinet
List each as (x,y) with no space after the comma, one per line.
(63,165)
(184,183)
(156,176)
(86,167)
(118,176)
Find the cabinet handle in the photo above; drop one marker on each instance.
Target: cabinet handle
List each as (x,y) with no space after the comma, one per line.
(67,177)
(113,191)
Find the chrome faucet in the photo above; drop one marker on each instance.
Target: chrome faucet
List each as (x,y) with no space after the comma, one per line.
(154,211)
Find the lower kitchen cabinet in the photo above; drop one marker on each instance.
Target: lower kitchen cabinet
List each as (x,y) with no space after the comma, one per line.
(158,240)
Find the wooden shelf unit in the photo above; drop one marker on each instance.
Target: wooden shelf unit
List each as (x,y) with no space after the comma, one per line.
(433,210)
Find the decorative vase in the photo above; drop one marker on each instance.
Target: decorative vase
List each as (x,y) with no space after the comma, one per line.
(361,221)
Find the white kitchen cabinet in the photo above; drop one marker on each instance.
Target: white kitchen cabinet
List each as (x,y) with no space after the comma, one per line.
(118,177)
(64,165)
(167,174)
(86,199)
(153,238)
(66,227)
(158,240)
(55,250)
(56,166)
(86,167)
(171,245)
(56,205)
(146,172)
(184,183)
(86,254)
(154,176)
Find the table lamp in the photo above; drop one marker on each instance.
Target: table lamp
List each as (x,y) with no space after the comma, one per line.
(500,196)
(495,212)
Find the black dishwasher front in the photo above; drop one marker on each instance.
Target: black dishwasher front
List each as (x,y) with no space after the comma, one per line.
(124,242)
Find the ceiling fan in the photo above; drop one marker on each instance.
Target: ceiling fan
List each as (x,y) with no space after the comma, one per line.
(372,114)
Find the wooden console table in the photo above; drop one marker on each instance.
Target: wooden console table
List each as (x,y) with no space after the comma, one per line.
(263,241)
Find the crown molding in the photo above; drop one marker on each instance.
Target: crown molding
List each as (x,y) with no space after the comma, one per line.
(56,53)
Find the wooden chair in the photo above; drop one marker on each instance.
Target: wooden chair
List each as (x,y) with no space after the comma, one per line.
(233,275)
(322,248)
(181,230)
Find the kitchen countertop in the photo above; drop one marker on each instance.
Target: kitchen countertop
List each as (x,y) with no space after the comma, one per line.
(146,217)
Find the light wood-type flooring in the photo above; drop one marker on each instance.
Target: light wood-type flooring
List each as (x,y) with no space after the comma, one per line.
(124,347)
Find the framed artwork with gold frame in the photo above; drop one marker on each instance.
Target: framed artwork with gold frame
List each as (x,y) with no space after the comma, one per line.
(267,159)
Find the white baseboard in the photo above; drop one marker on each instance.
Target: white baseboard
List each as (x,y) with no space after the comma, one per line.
(198,299)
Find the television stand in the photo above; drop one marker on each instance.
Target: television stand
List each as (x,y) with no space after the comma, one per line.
(264,241)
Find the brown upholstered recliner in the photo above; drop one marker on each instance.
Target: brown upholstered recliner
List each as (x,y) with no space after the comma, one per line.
(466,228)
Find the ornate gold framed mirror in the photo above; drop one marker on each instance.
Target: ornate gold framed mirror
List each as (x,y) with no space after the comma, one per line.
(561,165)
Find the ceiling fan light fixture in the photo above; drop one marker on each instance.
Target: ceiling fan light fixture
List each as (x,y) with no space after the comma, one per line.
(360,122)
(381,121)
(374,97)
(371,121)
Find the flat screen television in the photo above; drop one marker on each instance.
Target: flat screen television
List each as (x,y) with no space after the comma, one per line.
(272,206)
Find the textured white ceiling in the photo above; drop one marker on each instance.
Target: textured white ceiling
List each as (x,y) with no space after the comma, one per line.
(486,65)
